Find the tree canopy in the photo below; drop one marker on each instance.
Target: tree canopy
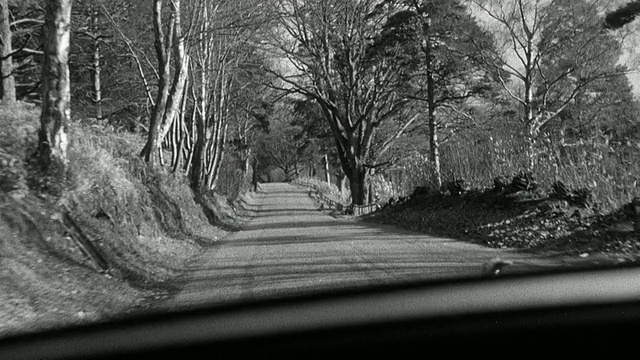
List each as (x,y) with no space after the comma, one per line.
(363,87)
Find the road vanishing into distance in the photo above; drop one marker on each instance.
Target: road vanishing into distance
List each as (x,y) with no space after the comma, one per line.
(291,246)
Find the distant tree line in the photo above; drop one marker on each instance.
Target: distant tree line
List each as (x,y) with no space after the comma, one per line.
(367,88)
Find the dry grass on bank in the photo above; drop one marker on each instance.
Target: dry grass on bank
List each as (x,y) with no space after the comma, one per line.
(608,170)
(144,223)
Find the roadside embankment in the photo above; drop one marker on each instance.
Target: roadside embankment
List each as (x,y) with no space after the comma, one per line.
(558,219)
(115,235)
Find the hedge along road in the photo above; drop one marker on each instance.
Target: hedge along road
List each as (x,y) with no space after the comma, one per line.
(291,246)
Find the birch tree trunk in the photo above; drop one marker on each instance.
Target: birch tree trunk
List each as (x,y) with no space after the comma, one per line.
(8,80)
(56,111)
(327,176)
(219,157)
(177,89)
(178,135)
(97,65)
(150,152)
(97,84)
(434,146)
(197,158)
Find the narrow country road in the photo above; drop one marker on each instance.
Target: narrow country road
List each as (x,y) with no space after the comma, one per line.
(291,246)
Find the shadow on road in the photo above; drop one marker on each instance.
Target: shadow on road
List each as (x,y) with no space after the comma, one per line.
(347,233)
(289,225)
(280,240)
(281,212)
(289,246)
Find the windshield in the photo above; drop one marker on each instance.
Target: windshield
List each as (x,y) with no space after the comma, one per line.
(161,155)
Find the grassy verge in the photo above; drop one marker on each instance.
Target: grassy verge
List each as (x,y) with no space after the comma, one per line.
(144,225)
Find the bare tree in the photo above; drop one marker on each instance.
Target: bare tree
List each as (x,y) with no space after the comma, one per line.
(281,149)
(553,50)
(22,44)
(93,51)
(221,54)
(200,60)
(176,93)
(13,59)
(163,45)
(326,49)
(128,70)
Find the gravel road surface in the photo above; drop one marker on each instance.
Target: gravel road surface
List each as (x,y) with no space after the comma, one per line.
(290,246)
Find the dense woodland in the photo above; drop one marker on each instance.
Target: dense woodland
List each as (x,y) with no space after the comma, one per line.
(375,96)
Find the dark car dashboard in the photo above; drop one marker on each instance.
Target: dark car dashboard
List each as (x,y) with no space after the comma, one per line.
(573,311)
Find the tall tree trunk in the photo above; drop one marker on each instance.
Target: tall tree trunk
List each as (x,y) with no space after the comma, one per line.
(353,167)
(531,147)
(178,136)
(357,175)
(343,183)
(198,158)
(357,183)
(189,134)
(160,155)
(180,78)
(254,173)
(200,120)
(197,162)
(434,149)
(97,67)
(351,155)
(327,176)
(218,156)
(528,105)
(97,85)
(216,174)
(247,162)
(175,144)
(220,130)
(163,50)
(433,128)
(56,112)
(8,80)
